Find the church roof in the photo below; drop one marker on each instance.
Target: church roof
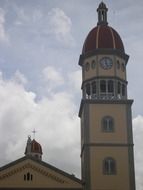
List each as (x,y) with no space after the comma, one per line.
(36,147)
(42,163)
(102,37)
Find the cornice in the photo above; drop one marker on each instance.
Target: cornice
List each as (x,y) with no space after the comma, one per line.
(102,52)
(99,101)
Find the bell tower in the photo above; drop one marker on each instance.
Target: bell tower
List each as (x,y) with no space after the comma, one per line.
(106,121)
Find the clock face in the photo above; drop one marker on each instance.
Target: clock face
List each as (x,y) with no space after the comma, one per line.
(106,63)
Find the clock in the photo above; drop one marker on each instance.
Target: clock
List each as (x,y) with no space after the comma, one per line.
(106,63)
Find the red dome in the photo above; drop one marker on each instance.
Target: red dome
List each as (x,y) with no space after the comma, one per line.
(102,37)
(36,147)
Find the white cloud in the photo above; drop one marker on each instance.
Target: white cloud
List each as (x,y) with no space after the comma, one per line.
(24,17)
(19,78)
(52,77)
(54,118)
(54,25)
(3,35)
(138,140)
(60,25)
(75,80)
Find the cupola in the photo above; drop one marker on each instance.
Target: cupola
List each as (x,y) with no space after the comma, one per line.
(103,61)
(102,36)
(33,148)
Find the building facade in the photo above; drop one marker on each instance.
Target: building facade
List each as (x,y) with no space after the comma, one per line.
(30,172)
(106,122)
(107,159)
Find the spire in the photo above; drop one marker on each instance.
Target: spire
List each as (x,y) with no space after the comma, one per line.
(102,14)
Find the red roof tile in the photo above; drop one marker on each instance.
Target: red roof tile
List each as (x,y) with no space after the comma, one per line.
(102,37)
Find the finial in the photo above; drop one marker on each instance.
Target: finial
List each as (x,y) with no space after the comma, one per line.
(29,139)
(34,132)
(102,14)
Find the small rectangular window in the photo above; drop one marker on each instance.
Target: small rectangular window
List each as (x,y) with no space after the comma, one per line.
(109,166)
(110,86)
(123,90)
(107,124)
(103,86)
(94,87)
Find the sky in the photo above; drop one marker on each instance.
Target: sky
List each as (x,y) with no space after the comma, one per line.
(40,79)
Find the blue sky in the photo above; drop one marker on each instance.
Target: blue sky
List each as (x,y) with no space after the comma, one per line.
(40,44)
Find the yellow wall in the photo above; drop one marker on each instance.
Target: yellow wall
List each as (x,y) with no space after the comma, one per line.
(118,112)
(98,71)
(91,72)
(119,72)
(98,180)
(120,181)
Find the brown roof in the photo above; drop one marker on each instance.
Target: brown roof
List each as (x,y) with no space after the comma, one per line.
(102,37)
(36,147)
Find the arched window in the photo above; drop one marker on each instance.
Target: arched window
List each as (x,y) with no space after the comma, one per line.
(119,90)
(103,86)
(119,87)
(110,89)
(123,90)
(109,166)
(94,89)
(88,91)
(118,64)
(107,124)
(102,15)
(28,177)
(107,89)
(110,86)
(93,64)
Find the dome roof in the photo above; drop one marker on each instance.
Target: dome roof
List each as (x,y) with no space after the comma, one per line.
(36,147)
(33,147)
(102,37)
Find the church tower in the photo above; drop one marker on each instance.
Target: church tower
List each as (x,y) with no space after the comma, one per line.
(105,111)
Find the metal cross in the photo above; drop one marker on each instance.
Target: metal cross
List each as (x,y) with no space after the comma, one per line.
(34,131)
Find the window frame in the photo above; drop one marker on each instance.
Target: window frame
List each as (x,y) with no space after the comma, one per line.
(93,64)
(108,128)
(105,89)
(28,177)
(109,166)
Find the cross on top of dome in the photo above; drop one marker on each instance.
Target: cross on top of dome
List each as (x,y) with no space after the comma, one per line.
(34,132)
